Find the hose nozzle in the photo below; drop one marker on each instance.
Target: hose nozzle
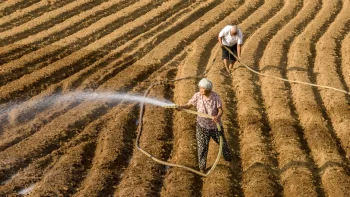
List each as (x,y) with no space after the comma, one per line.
(171,106)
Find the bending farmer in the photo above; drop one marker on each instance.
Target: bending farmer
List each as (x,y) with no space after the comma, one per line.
(231,37)
(207,102)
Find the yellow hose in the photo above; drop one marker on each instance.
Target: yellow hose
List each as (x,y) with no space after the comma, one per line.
(208,116)
(185,110)
(279,78)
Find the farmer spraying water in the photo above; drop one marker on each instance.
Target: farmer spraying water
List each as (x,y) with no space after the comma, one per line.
(208,102)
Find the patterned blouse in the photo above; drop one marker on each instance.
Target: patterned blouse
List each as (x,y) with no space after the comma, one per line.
(208,106)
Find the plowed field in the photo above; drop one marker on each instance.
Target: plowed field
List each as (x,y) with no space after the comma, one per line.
(288,139)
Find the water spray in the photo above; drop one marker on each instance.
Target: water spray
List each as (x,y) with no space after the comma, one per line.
(82,96)
(172,106)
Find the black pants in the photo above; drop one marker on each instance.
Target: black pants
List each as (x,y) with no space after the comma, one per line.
(203,136)
(227,55)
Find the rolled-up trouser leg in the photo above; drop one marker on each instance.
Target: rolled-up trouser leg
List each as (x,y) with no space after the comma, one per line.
(203,138)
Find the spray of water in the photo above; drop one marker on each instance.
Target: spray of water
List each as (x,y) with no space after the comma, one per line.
(44,102)
(83,96)
(26,190)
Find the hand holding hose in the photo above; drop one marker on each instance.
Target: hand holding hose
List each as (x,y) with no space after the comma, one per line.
(216,119)
(178,108)
(181,107)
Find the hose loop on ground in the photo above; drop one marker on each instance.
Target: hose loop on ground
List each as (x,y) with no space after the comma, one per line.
(185,110)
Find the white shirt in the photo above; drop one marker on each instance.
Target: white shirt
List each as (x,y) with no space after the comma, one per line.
(228,39)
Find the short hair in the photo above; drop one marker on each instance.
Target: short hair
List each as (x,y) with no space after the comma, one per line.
(205,83)
(234,29)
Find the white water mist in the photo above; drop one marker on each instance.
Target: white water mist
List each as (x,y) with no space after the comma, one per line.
(26,190)
(84,96)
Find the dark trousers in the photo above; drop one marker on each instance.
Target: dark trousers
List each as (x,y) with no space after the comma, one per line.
(203,136)
(227,55)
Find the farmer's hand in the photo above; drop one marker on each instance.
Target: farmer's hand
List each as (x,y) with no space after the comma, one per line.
(179,108)
(216,119)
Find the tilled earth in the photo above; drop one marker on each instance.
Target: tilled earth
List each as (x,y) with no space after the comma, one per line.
(288,139)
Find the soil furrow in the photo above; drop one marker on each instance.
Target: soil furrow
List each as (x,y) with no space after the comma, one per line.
(345,56)
(38,122)
(89,133)
(226,179)
(61,130)
(64,29)
(113,152)
(263,165)
(142,172)
(328,66)
(217,183)
(20,132)
(64,47)
(60,70)
(195,58)
(29,13)
(295,165)
(8,7)
(258,179)
(40,125)
(128,53)
(46,21)
(287,139)
(111,164)
(36,170)
(66,174)
(179,182)
(317,127)
(28,113)
(72,125)
(160,57)
(172,180)
(173,44)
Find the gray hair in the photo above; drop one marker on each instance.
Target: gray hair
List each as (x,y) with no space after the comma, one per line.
(205,83)
(234,29)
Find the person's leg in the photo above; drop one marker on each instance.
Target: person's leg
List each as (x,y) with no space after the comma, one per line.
(225,63)
(226,152)
(225,56)
(203,137)
(230,66)
(231,57)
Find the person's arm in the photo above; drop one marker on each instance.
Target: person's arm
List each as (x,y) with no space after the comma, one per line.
(186,106)
(220,40)
(239,51)
(217,117)
(221,34)
(190,103)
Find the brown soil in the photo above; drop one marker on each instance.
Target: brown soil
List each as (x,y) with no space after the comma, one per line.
(287,139)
